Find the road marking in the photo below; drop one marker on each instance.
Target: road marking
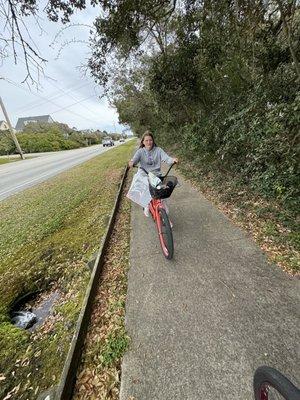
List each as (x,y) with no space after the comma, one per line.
(25,183)
(54,173)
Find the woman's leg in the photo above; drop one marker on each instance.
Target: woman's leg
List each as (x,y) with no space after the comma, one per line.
(146,211)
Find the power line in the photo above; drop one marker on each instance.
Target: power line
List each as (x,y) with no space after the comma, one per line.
(67,93)
(71,105)
(50,101)
(54,96)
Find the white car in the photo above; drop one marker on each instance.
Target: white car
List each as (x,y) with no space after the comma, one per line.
(108,142)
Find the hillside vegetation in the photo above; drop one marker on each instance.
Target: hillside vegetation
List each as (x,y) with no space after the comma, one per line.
(224,90)
(218,84)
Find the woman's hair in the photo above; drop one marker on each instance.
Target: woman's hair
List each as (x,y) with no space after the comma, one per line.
(147,133)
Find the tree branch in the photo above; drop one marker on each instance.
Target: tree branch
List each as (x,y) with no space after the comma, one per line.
(27,48)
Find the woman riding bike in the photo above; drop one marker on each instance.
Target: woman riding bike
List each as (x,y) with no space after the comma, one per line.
(149,156)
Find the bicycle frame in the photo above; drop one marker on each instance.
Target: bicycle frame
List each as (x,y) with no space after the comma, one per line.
(154,206)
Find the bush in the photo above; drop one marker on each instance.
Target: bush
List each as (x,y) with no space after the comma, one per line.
(43,137)
(7,145)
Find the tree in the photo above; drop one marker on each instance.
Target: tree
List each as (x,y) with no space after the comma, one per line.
(224,92)
(126,28)
(7,145)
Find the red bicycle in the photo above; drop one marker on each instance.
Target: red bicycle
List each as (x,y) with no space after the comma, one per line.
(158,192)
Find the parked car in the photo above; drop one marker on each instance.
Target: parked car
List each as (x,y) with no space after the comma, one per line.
(122,140)
(108,142)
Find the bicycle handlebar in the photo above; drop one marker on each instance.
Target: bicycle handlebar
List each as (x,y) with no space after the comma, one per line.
(143,169)
(171,166)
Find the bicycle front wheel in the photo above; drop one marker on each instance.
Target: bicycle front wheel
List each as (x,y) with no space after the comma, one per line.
(165,233)
(270,384)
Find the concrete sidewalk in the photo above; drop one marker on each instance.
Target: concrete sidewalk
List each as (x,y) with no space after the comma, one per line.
(202,323)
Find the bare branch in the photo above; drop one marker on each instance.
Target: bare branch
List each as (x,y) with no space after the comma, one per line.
(29,35)
(26,47)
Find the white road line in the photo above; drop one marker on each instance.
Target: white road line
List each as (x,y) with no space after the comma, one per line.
(25,183)
(87,155)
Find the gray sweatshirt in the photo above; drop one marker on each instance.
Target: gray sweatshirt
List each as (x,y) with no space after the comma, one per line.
(151,160)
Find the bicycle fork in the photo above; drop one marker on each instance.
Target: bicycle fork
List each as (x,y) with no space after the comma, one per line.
(154,207)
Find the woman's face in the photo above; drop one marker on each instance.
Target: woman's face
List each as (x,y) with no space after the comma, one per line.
(148,142)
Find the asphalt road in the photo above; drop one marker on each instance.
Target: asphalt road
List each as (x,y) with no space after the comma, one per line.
(15,177)
(202,323)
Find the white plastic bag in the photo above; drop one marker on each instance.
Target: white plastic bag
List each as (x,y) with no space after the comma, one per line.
(139,190)
(154,180)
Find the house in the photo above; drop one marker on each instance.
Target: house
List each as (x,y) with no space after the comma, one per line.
(27,120)
(3,126)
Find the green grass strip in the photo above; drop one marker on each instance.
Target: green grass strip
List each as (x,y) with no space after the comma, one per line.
(47,234)
(8,160)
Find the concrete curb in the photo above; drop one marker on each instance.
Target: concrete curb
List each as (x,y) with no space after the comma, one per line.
(65,388)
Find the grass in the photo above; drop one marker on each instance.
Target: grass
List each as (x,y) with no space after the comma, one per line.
(114,348)
(8,160)
(12,159)
(47,235)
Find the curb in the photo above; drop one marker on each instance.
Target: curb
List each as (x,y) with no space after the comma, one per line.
(64,390)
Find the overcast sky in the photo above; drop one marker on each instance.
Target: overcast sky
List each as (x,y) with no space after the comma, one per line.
(64,84)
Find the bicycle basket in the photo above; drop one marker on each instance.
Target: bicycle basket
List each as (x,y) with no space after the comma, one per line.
(165,189)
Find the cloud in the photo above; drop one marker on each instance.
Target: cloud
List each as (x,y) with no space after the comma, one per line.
(63,83)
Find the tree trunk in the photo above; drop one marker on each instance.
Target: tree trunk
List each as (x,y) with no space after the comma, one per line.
(289,37)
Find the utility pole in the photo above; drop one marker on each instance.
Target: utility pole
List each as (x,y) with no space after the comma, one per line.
(11,130)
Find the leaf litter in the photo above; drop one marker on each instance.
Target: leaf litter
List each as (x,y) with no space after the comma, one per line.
(99,374)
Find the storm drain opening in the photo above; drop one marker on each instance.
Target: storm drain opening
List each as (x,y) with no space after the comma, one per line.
(30,311)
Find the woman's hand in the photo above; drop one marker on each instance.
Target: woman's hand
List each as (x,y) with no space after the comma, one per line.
(130,164)
(175,160)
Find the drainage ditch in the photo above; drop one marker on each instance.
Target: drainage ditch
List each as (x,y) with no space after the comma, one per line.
(32,310)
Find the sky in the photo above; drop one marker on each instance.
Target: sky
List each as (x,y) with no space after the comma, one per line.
(65,92)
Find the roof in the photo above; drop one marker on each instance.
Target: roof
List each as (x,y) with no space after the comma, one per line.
(37,118)
(3,125)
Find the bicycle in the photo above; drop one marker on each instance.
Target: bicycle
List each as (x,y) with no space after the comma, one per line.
(158,192)
(268,380)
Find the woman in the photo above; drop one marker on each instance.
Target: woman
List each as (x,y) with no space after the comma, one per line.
(150,157)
